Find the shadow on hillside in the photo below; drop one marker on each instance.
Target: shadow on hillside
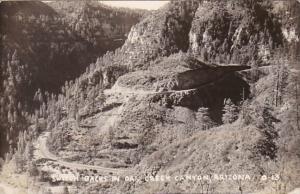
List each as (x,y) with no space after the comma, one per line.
(213,95)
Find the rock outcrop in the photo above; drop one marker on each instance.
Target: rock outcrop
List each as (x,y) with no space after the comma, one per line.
(171,90)
(160,34)
(232,31)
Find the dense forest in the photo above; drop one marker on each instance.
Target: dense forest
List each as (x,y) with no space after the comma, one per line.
(43,46)
(197,87)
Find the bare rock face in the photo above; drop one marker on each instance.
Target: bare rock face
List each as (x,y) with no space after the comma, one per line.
(229,31)
(288,12)
(160,34)
(217,31)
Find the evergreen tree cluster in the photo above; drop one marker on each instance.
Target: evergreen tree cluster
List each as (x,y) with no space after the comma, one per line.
(230,112)
(42,46)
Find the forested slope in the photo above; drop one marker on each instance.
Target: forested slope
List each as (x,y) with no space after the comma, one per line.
(170,102)
(41,48)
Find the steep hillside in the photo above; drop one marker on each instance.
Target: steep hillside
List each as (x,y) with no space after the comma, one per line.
(236,32)
(205,91)
(96,22)
(60,47)
(288,12)
(216,31)
(41,48)
(160,34)
(248,36)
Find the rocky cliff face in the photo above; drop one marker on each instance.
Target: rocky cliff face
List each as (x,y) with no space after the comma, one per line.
(228,31)
(162,104)
(288,12)
(160,34)
(243,33)
(216,31)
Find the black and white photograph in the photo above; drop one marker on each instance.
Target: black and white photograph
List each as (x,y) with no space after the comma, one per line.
(150,97)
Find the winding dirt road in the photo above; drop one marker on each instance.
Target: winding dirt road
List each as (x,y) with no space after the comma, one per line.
(116,89)
(45,153)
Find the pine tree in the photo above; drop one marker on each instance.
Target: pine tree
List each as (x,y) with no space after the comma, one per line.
(15,56)
(10,117)
(19,161)
(77,118)
(280,82)
(203,121)
(29,151)
(21,142)
(1,163)
(8,156)
(101,97)
(230,112)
